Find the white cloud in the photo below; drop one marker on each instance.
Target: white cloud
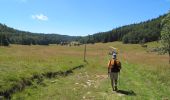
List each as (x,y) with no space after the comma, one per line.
(40,17)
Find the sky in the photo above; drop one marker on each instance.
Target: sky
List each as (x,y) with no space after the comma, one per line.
(78,17)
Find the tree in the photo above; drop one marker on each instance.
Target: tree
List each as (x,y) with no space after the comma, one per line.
(3,39)
(165,35)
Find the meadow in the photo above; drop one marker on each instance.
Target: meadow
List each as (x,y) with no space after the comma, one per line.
(144,75)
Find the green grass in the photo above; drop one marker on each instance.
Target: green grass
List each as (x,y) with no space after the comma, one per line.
(146,74)
(18,62)
(144,83)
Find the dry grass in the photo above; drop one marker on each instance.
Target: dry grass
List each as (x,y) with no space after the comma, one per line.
(17,62)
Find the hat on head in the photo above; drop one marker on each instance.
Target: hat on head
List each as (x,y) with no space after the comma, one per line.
(114,55)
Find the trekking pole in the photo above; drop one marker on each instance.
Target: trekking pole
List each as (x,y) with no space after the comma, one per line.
(108,74)
(108,70)
(119,78)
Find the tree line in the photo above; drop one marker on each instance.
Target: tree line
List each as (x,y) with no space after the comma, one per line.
(12,36)
(134,33)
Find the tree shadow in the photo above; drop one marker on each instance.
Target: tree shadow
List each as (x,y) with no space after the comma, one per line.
(125,92)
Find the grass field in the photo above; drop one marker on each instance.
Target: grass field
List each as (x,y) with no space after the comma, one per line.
(143,76)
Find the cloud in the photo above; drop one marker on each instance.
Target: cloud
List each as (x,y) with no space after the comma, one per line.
(40,17)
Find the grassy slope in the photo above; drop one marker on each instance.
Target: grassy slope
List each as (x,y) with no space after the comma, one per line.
(146,74)
(17,62)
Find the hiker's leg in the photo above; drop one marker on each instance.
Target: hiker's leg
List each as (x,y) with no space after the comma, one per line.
(115,80)
(112,84)
(115,84)
(112,80)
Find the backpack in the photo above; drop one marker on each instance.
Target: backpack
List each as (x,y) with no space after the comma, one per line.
(116,66)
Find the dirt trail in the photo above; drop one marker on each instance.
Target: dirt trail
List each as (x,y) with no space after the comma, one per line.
(134,84)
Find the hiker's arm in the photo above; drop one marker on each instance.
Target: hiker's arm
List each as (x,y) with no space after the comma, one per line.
(108,68)
(120,66)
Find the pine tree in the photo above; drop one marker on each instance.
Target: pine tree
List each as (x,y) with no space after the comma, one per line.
(3,40)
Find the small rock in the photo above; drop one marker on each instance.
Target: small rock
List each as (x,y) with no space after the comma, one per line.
(84,97)
(74,89)
(95,86)
(85,86)
(76,83)
(120,94)
(88,92)
(88,83)
(53,81)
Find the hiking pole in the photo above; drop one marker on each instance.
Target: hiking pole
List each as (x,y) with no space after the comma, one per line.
(119,78)
(108,67)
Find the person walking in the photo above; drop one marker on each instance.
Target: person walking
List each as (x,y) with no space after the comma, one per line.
(114,67)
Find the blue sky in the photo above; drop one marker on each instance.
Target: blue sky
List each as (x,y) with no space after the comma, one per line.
(78,17)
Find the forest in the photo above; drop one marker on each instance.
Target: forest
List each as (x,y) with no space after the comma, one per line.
(12,36)
(142,32)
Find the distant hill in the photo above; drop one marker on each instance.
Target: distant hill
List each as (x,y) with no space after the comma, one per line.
(14,36)
(134,33)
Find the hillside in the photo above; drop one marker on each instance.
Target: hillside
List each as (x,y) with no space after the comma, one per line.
(14,36)
(146,31)
(142,32)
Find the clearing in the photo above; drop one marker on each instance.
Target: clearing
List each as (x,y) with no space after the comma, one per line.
(145,75)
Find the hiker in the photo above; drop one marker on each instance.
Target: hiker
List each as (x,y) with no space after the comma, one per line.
(114,67)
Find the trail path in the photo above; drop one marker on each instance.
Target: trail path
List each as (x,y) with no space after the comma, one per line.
(134,84)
